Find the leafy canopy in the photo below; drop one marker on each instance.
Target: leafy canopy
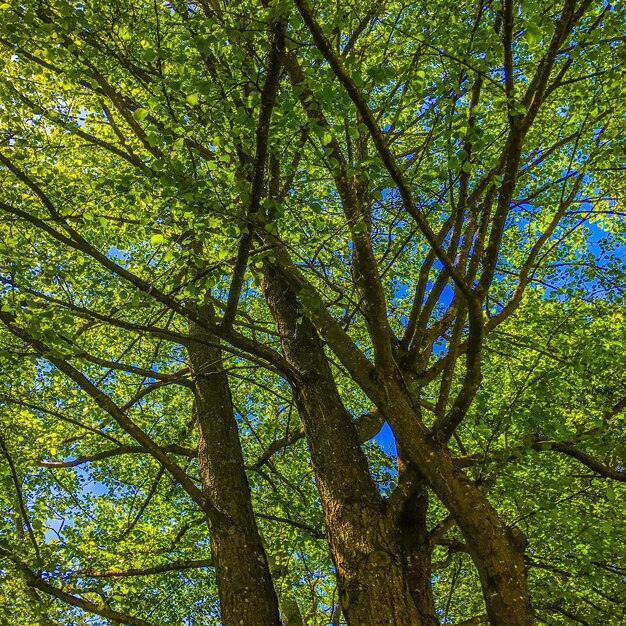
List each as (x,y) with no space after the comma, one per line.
(127,142)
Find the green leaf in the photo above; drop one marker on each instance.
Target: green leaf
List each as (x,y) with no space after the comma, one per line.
(140,114)
(532,34)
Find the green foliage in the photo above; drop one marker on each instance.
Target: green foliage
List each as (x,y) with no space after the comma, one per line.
(131,127)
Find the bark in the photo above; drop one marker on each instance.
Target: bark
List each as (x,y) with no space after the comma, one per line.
(496,549)
(364,543)
(244,582)
(416,544)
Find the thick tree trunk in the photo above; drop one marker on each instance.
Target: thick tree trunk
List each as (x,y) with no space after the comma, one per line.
(496,549)
(416,545)
(244,582)
(365,544)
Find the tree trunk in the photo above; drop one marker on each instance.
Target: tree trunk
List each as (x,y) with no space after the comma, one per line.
(244,582)
(364,543)
(416,545)
(496,549)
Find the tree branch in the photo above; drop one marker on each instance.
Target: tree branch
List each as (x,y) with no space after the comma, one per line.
(379,141)
(268,97)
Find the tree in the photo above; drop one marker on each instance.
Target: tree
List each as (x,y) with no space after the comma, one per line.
(238,239)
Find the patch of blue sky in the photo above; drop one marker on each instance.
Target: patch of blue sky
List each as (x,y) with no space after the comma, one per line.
(120,255)
(71,515)
(386,440)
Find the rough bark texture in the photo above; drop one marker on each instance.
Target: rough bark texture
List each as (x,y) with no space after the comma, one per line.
(365,544)
(246,592)
(416,545)
(496,549)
